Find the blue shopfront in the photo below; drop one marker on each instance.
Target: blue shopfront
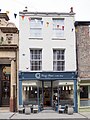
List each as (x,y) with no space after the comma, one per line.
(48,87)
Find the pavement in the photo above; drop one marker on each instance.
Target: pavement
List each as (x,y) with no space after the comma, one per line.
(44,115)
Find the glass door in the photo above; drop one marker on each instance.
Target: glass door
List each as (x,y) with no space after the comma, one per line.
(5,93)
(47,93)
(5,85)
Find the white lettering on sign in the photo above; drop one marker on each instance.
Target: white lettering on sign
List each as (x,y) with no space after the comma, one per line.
(48,76)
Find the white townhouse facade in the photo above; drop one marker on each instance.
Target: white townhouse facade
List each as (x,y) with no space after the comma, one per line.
(47,59)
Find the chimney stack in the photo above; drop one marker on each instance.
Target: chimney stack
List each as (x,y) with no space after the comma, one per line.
(71,10)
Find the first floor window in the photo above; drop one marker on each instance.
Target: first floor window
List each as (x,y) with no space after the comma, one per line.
(36,59)
(58,60)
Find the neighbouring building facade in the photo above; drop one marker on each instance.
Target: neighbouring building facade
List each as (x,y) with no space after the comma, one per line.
(47,59)
(9,42)
(83,64)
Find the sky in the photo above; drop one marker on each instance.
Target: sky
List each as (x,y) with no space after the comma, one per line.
(80,7)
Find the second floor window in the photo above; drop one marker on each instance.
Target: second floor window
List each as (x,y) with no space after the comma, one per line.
(58,60)
(58,27)
(35,27)
(36,59)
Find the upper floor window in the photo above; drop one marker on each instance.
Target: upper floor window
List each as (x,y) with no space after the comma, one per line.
(58,60)
(58,27)
(36,27)
(35,59)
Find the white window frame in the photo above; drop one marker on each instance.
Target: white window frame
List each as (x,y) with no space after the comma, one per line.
(35,59)
(58,28)
(36,28)
(58,59)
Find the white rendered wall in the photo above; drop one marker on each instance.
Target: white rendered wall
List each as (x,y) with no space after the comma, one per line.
(47,44)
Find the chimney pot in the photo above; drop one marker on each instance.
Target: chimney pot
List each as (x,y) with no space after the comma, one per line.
(26,9)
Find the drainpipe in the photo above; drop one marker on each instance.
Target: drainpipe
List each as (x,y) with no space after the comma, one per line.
(77,68)
(16,53)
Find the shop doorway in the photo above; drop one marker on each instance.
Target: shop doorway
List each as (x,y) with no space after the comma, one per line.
(5,93)
(47,93)
(4,86)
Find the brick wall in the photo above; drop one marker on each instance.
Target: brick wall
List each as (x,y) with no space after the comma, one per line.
(83,50)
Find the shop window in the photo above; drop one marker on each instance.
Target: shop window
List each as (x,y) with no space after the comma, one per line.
(64,92)
(84,96)
(29,94)
(83,91)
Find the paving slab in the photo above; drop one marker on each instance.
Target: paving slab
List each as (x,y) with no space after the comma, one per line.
(44,115)
(86,114)
(6,115)
(49,116)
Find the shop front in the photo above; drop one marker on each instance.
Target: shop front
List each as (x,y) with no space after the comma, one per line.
(48,89)
(8,94)
(84,95)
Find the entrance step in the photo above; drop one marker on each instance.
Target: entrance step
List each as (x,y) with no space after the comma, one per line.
(4,109)
(48,108)
(47,111)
